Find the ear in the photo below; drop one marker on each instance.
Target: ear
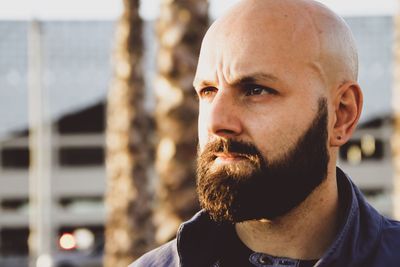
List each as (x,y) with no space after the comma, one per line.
(348,101)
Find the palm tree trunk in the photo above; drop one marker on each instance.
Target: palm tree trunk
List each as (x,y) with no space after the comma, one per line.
(396,125)
(180,29)
(128,231)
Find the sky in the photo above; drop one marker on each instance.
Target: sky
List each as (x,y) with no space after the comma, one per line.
(111,9)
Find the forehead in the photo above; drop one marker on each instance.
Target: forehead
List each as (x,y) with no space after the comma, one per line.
(272,43)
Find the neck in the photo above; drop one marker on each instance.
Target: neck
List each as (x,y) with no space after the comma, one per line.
(304,233)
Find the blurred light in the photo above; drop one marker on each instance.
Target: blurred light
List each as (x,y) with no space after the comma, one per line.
(84,238)
(166,149)
(354,155)
(368,144)
(67,241)
(123,69)
(171,95)
(44,261)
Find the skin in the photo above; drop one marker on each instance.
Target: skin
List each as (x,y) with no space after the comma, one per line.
(262,69)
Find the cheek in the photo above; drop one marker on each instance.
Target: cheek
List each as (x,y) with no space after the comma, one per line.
(275,137)
(202,130)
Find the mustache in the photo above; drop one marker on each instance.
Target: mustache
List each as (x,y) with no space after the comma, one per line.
(222,145)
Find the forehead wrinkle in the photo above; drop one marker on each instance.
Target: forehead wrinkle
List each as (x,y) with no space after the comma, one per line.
(210,76)
(253,77)
(223,70)
(228,67)
(228,43)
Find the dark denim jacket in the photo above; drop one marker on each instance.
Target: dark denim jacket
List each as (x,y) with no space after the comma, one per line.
(366,239)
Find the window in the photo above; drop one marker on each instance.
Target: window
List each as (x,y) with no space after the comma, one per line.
(14,241)
(15,204)
(17,157)
(81,156)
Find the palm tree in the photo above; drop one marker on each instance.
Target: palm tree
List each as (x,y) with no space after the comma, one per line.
(128,231)
(180,29)
(396,128)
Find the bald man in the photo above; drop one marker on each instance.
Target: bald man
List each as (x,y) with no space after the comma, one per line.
(278,95)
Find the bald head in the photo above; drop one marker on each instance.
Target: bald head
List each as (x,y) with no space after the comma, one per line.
(300,31)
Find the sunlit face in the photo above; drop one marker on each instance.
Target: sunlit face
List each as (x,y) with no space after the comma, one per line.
(258,87)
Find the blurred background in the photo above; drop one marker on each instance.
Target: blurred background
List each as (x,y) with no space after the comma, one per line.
(98,123)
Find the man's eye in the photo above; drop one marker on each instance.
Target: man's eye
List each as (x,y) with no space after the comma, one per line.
(207,92)
(259,90)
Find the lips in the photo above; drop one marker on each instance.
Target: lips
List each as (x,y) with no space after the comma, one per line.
(228,157)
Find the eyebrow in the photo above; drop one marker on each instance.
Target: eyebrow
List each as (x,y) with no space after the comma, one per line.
(255,77)
(247,79)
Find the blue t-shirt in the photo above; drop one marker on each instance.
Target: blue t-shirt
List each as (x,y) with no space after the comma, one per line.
(238,254)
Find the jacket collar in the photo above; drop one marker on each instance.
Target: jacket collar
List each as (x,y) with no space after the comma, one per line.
(360,229)
(200,240)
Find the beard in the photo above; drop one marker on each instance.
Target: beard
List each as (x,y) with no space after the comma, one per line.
(254,188)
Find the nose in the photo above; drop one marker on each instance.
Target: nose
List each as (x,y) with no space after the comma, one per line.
(224,115)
